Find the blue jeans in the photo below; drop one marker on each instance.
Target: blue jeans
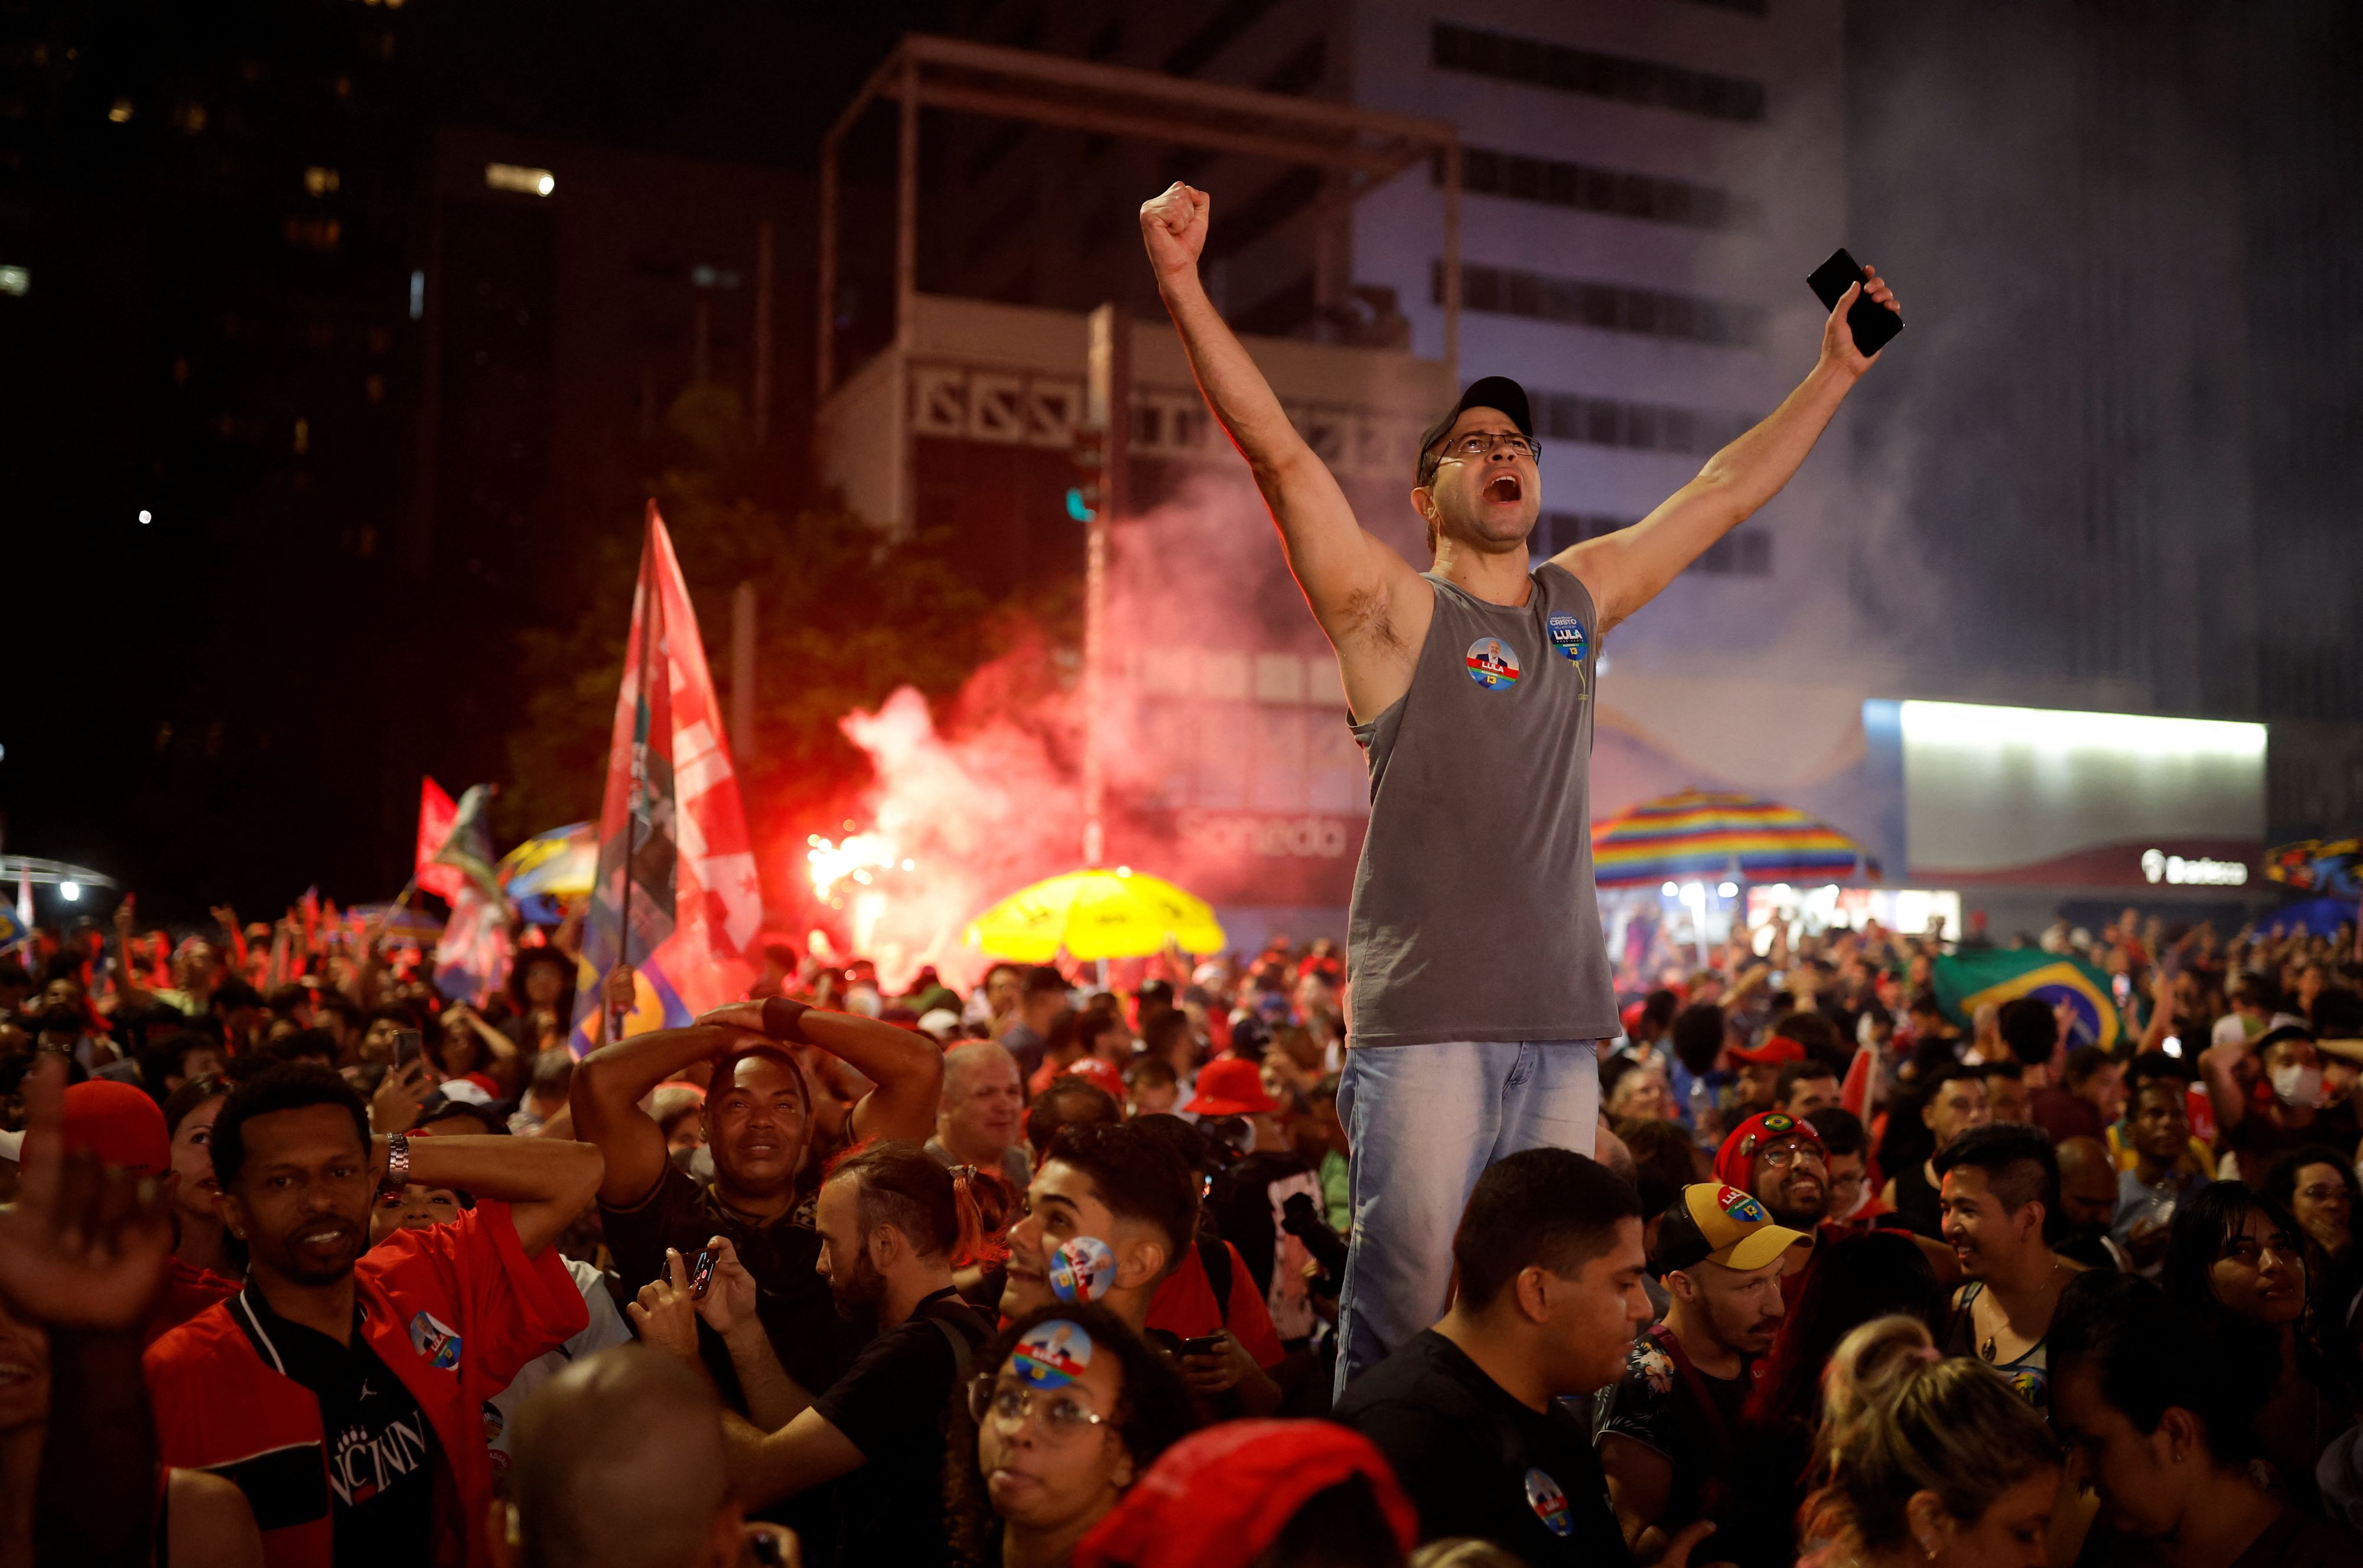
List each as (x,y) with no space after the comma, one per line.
(1422,1122)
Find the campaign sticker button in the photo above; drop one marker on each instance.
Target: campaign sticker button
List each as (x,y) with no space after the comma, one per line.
(1083,1269)
(1052,1354)
(1566,636)
(1493,663)
(1549,1504)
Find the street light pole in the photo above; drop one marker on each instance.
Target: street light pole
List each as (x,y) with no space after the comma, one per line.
(1107,411)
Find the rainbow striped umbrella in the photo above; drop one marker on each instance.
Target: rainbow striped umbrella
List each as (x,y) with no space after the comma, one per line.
(1698,834)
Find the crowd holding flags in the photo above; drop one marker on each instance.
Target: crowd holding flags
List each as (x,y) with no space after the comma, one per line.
(473,957)
(669,867)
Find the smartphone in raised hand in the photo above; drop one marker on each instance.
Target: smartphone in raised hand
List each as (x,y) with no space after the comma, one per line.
(1874,326)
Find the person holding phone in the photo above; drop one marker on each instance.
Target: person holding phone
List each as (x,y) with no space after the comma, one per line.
(893,1223)
(1481,978)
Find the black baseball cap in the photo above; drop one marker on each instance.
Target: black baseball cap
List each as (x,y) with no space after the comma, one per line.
(1485,392)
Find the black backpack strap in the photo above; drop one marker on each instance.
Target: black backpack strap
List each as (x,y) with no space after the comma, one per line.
(963,1357)
(1216,1258)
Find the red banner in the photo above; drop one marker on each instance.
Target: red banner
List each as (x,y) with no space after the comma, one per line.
(437,812)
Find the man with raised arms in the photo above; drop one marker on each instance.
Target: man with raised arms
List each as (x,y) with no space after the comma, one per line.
(1481,981)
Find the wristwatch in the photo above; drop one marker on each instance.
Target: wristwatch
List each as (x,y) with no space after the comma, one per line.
(397,1163)
(784,1017)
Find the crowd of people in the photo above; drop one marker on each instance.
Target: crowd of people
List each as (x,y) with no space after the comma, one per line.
(302,1264)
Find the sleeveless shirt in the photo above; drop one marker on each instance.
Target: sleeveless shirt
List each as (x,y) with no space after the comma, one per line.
(1475,917)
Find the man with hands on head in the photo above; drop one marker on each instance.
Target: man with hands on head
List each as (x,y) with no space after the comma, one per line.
(1481,988)
(344,1393)
(758,1121)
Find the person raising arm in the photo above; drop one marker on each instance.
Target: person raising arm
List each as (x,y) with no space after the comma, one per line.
(1368,600)
(1467,951)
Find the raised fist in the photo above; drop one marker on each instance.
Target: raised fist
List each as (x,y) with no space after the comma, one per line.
(1173,227)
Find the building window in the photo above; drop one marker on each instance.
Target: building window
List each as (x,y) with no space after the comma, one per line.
(1612,307)
(1635,427)
(1743,552)
(1487,173)
(1596,76)
(1753,7)
(314,233)
(518,178)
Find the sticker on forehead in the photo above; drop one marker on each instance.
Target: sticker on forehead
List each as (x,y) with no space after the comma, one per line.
(1084,1269)
(1051,1354)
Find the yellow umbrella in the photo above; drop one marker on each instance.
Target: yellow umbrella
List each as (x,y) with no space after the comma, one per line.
(1095,915)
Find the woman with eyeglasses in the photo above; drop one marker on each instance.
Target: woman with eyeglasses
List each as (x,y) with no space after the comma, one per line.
(2317,1186)
(2236,1252)
(1068,1407)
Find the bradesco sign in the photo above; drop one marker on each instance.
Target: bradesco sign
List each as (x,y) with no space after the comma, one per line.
(2045,797)
(2177,871)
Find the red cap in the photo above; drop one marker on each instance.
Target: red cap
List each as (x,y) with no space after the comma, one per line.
(1094,1070)
(119,1124)
(1776,1052)
(1735,1162)
(1231,1085)
(1220,1498)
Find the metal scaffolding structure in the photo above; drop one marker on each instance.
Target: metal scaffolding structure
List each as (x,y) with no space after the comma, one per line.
(1370,145)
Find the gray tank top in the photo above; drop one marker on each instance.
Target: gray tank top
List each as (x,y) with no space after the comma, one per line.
(1475,917)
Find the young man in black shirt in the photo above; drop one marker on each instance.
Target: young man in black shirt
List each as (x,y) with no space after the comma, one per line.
(1469,1412)
(758,1119)
(1953,1102)
(1667,1431)
(892,1222)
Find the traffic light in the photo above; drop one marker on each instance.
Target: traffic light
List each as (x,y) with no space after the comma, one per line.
(1088,455)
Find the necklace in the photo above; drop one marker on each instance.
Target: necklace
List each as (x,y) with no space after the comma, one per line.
(1987,1350)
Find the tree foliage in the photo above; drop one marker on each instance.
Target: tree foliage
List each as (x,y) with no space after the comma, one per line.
(845,615)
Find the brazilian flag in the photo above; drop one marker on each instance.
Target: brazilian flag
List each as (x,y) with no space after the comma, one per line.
(1969,981)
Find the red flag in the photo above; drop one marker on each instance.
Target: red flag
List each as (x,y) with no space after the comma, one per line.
(677,897)
(437,812)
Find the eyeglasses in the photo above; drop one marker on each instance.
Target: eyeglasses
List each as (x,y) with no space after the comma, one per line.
(1060,1415)
(1478,443)
(1781,1156)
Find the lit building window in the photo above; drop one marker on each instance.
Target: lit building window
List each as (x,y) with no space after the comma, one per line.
(517,177)
(321,181)
(417,294)
(303,437)
(121,113)
(16,280)
(314,233)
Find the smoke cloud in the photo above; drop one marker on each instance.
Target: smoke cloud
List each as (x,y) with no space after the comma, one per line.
(987,798)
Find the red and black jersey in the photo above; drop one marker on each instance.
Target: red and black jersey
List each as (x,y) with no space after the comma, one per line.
(451,1312)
